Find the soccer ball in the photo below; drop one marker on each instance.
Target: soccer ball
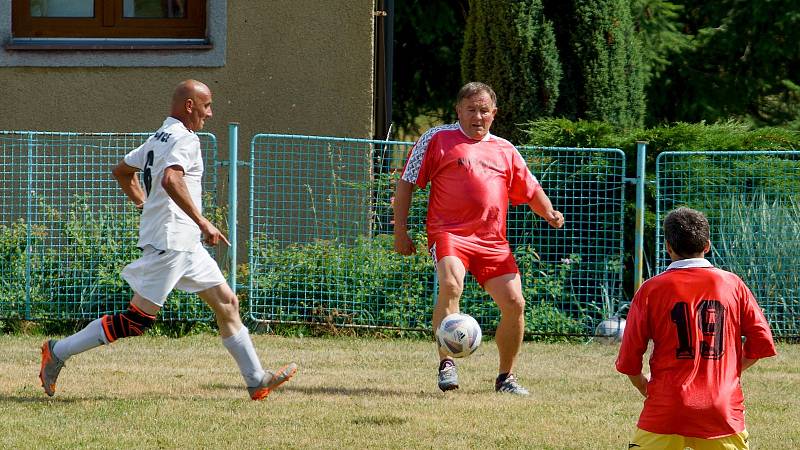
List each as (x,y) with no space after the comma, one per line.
(459,335)
(610,330)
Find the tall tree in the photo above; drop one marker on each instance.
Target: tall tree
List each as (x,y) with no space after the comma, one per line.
(601,55)
(659,26)
(427,44)
(511,46)
(744,63)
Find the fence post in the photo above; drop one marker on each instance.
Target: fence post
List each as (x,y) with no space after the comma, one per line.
(638,245)
(28,229)
(233,166)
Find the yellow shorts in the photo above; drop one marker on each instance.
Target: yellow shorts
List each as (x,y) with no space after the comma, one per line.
(644,440)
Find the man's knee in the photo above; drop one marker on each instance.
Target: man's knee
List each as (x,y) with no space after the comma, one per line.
(230,302)
(450,287)
(223,301)
(133,322)
(513,306)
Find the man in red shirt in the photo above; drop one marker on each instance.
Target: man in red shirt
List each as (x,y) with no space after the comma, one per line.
(473,176)
(696,316)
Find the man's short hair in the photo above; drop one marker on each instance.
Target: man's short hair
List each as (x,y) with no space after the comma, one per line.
(686,231)
(475,87)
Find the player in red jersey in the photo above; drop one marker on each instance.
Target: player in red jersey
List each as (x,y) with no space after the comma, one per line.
(696,316)
(473,176)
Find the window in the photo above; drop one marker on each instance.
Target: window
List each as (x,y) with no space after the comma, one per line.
(171,19)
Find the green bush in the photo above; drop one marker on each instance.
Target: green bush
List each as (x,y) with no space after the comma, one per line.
(367,283)
(13,268)
(71,269)
(757,238)
(723,136)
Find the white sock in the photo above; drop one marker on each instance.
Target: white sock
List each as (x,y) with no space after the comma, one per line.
(90,337)
(241,348)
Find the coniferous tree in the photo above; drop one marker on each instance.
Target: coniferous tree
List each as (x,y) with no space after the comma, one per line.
(428,36)
(601,55)
(659,28)
(743,64)
(510,45)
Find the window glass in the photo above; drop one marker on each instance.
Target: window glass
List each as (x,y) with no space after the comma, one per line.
(154,9)
(62,8)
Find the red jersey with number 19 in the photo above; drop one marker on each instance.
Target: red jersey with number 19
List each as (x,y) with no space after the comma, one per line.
(471,180)
(696,316)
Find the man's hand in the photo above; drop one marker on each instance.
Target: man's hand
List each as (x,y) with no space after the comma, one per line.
(403,243)
(211,235)
(541,205)
(640,382)
(554,218)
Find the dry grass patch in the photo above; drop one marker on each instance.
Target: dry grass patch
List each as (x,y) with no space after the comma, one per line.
(349,393)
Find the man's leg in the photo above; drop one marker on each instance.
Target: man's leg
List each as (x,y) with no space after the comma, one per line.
(135,321)
(236,338)
(506,291)
(450,273)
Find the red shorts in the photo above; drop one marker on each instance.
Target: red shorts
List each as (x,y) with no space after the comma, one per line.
(483,259)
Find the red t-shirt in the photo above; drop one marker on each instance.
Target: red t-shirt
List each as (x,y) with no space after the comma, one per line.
(696,316)
(471,180)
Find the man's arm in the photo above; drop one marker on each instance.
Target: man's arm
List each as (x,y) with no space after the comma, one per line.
(173,183)
(402,203)
(541,205)
(128,180)
(640,382)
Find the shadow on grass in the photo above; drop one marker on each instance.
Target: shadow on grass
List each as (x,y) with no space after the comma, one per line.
(45,399)
(347,391)
(343,391)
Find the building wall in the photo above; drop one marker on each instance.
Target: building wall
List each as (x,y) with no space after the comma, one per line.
(303,66)
(297,67)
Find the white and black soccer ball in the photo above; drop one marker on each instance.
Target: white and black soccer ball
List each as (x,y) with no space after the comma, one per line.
(459,335)
(610,330)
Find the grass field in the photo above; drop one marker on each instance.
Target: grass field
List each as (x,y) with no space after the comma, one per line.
(156,392)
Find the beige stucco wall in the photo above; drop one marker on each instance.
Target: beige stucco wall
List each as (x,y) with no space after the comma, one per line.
(303,66)
(299,67)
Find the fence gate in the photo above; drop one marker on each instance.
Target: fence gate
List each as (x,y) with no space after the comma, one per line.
(321,242)
(66,228)
(752,201)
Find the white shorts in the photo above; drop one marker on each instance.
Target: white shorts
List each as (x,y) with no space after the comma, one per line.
(157,272)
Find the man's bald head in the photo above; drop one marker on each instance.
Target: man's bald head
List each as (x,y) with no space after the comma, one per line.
(191,104)
(185,90)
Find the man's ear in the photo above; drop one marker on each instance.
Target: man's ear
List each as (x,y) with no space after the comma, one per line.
(668,247)
(188,105)
(707,248)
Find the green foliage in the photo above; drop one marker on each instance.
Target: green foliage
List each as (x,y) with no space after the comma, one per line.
(769,266)
(743,63)
(427,39)
(71,270)
(658,27)
(692,60)
(727,135)
(367,284)
(511,46)
(601,59)
(76,263)
(327,282)
(13,241)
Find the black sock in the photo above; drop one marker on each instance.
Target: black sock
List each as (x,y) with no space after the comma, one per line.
(502,377)
(443,364)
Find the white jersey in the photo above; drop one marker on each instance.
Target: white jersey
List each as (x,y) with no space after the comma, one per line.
(163,224)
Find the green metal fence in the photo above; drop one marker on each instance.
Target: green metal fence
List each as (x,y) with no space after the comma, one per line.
(66,228)
(321,244)
(752,200)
